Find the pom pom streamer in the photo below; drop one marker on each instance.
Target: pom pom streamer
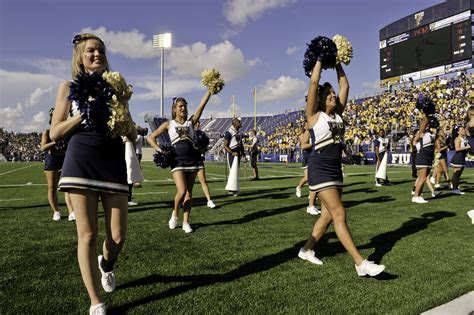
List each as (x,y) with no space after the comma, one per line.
(200,140)
(426,105)
(321,48)
(344,49)
(164,158)
(211,78)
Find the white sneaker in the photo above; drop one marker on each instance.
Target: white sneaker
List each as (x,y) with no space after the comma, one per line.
(432,180)
(132,203)
(313,210)
(378,184)
(369,268)
(470,213)
(437,186)
(450,185)
(187,228)
(211,204)
(56,216)
(98,309)
(107,279)
(309,256)
(412,192)
(458,192)
(71,217)
(418,200)
(298,192)
(436,193)
(172,222)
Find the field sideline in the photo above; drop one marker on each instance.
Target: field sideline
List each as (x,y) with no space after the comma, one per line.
(242,257)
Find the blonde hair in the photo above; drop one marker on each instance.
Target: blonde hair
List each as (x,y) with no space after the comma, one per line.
(79,42)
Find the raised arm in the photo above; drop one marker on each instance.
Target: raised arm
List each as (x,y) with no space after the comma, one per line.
(202,104)
(151,139)
(343,89)
(60,124)
(312,101)
(423,126)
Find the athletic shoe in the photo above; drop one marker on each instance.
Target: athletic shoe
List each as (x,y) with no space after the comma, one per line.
(432,180)
(369,268)
(412,192)
(418,200)
(235,194)
(458,192)
(187,228)
(137,185)
(378,184)
(470,213)
(172,222)
(132,203)
(450,186)
(107,279)
(211,204)
(98,309)
(298,192)
(436,193)
(309,256)
(56,216)
(71,217)
(437,186)
(313,210)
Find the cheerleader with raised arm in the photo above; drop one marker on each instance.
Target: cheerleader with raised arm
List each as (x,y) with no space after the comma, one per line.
(323,113)
(441,150)
(188,161)
(461,145)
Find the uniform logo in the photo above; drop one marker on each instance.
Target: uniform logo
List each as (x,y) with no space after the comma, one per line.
(183,132)
(419,17)
(337,131)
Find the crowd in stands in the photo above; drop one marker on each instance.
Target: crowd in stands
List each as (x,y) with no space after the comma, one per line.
(394,110)
(16,146)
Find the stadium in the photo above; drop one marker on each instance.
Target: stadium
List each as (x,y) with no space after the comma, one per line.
(242,254)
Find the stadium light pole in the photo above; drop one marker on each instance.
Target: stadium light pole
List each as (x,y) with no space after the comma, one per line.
(162,41)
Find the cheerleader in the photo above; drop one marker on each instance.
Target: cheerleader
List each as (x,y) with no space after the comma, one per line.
(53,162)
(458,161)
(424,159)
(94,166)
(323,113)
(306,148)
(188,161)
(234,147)
(202,176)
(441,149)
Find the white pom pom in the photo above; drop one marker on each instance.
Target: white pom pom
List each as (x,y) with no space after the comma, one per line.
(344,49)
(211,78)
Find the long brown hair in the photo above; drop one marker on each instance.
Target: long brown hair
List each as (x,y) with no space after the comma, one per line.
(175,103)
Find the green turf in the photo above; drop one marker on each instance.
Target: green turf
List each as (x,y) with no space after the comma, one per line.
(242,257)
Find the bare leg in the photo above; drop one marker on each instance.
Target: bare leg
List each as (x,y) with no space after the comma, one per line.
(116,218)
(67,198)
(180,182)
(304,179)
(52,177)
(422,175)
(84,203)
(188,199)
(205,187)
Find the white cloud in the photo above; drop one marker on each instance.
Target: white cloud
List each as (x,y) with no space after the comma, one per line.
(238,12)
(173,87)
(23,96)
(57,67)
(291,50)
(130,44)
(282,88)
(192,60)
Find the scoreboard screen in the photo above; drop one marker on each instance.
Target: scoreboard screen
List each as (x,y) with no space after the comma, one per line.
(430,46)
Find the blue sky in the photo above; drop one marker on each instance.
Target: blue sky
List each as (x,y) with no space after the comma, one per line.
(253,43)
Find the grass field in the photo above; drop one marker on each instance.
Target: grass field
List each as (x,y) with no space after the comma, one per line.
(242,257)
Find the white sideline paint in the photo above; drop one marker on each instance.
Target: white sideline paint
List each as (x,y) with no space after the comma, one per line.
(151,193)
(22,185)
(247,188)
(18,169)
(462,305)
(17,199)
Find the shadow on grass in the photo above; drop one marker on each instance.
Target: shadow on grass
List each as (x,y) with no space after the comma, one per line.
(197,281)
(23,207)
(377,200)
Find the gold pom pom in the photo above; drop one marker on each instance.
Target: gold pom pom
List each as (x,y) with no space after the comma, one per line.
(211,78)
(344,49)
(120,122)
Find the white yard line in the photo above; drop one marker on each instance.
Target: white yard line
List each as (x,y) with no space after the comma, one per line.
(248,188)
(18,169)
(21,185)
(17,199)
(151,193)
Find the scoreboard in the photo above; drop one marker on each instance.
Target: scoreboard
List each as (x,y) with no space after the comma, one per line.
(440,47)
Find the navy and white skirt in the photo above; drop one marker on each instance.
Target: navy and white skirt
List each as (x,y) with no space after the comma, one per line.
(304,159)
(424,158)
(324,168)
(188,158)
(443,155)
(459,159)
(95,161)
(53,163)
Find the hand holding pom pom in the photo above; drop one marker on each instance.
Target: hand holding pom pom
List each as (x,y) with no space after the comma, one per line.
(344,49)
(323,49)
(426,105)
(164,157)
(211,78)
